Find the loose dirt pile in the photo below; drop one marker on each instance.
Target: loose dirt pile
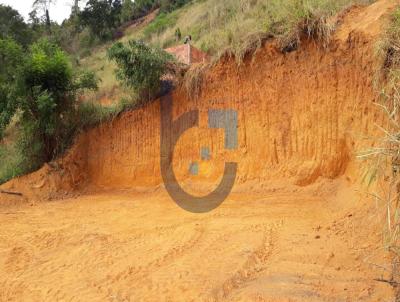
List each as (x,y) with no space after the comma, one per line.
(294,228)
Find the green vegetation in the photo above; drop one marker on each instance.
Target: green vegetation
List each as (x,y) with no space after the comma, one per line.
(10,164)
(140,67)
(12,26)
(101,17)
(160,24)
(127,11)
(40,88)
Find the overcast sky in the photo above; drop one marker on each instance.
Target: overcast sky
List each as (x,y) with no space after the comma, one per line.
(58,12)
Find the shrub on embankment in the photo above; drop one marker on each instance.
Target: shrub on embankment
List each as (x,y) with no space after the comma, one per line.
(141,67)
(42,93)
(39,88)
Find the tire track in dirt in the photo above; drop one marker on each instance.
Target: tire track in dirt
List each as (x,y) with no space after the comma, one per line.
(242,252)
(255,264)
(140,273)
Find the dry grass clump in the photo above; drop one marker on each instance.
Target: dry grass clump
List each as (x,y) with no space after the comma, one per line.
(391,147)
(193,80)
(385,157)
(319,27)
(390,49)
(248,46)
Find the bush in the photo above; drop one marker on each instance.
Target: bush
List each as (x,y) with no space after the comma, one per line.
(127,11)
(140,67)
(11,55)
(42,89)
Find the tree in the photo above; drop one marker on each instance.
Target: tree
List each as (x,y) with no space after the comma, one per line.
(34,20)
(167,6)
(12,26)
(143,7)
(74,17)
(140,67)
(75,8)
(44,5)
(102,17)
(127,11)
(42,88)
(11,55)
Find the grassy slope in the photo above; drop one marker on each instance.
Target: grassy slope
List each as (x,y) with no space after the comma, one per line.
(215,25)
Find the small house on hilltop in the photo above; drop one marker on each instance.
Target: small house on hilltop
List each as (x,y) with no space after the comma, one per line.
(187,54)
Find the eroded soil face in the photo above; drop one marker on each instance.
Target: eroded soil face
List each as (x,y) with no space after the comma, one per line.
(289,245)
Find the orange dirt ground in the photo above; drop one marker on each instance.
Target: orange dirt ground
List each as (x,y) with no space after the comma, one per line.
(296,227)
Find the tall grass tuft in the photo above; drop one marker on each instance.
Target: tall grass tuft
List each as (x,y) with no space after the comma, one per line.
(385,157)
(193,80)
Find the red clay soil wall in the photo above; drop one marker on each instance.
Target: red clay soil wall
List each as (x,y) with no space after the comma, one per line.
(181,52)
(197,56)
(187,54)
(301,116)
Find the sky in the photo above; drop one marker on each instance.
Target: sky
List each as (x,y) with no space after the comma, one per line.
(58,12)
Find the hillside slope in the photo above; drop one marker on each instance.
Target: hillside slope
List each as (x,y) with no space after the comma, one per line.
(302,115)
(215,26)
(296,227)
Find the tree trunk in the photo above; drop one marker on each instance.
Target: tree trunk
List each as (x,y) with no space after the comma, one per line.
(48,23)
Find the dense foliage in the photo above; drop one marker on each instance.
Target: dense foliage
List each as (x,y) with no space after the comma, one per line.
(102,17)
(140,66)
(127,11)
(11,55)
(40,87)
(39,111)
(12,25)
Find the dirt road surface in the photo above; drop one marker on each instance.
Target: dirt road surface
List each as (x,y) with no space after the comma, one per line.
(289,245)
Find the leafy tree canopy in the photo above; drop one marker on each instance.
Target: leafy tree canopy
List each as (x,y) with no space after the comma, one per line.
(12,25)
(102,17)
(41,86)
(140,67)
